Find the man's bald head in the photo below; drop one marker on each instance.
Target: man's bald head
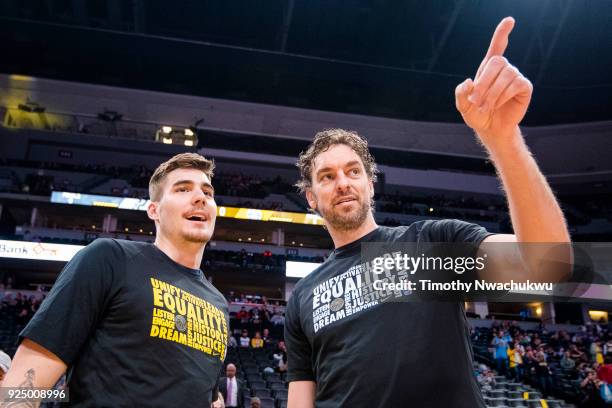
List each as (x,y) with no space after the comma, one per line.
(230,370)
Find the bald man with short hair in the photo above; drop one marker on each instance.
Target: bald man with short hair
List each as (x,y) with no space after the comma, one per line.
(231,388)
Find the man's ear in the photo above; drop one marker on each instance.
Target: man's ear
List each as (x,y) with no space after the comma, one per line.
(152,211)
(312,200)
(371,188)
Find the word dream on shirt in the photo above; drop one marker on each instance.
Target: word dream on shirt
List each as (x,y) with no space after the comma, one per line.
(186,319)
(344,295)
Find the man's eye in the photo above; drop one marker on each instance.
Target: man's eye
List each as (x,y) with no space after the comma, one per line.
(208,193)
(326,177)
(182,189)
(354,171)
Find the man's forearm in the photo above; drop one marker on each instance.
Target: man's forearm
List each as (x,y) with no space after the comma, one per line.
(535,213)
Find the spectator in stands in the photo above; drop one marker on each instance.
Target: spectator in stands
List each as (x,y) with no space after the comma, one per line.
(268,340)
(232,342)
(543,374)
(245,340)
(280,357)
(232,388)
(605,371)
(255,402)
(500,344)
(515,357)
(265,315)
(5,364)
(607,348)
(256,316)
(243,315)
(277,319)
(597,352)
(576,354)
(257,341)
(486,378)
(567,363)
(590,387)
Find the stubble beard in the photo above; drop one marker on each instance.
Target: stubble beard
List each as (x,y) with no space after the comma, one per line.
(196,235)
(347,221)
(200,237)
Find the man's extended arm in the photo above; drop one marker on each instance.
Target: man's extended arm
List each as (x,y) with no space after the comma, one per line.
(493,104)
(536,216)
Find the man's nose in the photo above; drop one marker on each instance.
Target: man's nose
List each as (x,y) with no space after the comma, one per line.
(342,182)
(198,197)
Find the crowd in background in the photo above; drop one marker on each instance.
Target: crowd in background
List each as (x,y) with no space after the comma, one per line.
(254,187)
(584,357)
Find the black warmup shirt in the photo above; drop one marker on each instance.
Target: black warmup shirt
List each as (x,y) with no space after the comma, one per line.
(373,353)
(134,327)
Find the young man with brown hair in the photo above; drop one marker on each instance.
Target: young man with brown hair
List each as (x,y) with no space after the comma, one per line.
(136,324)
(349,349)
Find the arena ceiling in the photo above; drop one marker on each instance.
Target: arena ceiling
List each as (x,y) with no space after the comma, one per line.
(398,59)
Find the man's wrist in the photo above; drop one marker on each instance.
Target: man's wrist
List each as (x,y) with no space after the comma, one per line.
(507,146)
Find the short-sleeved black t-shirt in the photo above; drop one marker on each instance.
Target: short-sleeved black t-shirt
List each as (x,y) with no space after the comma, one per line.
(134,327)
(381,354)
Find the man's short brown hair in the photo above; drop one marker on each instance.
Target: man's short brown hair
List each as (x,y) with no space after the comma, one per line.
(322,142)
(180,161)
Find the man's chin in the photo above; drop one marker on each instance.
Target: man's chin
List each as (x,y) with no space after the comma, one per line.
(197,237)
(348,221)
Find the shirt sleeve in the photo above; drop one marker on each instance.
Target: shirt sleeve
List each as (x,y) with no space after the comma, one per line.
(451,230)
(299,350)
(464,239)
(68,316)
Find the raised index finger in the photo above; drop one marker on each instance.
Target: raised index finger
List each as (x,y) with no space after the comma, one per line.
(499,41)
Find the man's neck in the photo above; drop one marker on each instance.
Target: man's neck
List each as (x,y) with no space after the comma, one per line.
(344,237)
(188,254)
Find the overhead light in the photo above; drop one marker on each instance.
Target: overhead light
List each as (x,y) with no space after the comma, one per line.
(430,209)
(188,132)
(167,129)
(126,229)
(239,239)
(188,142)
(167,140)
(140,230)
(249,238)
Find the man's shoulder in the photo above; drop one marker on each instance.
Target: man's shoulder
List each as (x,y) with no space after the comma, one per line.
(114,250)
(102,249)
(116,245)
(411,232)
